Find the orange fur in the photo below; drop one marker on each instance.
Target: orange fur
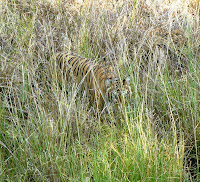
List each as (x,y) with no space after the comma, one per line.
(99,80)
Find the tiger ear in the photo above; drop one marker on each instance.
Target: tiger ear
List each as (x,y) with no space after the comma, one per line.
(126,81)
(107,82)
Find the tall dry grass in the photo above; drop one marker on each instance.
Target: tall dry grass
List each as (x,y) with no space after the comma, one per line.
(48,132)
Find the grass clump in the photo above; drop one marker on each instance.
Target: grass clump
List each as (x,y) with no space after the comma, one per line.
(49,133)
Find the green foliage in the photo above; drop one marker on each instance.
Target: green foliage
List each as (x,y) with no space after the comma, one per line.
(49,133)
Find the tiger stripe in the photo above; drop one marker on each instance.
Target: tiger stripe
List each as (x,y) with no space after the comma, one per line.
(100,81)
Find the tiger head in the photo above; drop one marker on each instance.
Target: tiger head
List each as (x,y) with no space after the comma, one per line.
(117,90)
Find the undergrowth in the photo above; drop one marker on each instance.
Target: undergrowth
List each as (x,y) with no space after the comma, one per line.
(49,131)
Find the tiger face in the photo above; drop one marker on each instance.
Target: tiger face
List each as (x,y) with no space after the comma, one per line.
(117,90)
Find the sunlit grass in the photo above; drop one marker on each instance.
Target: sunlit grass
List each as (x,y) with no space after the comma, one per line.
(48,129)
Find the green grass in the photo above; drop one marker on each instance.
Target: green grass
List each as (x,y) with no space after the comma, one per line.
(48,132)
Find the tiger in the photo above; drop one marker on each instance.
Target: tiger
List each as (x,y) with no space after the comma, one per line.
(100,81)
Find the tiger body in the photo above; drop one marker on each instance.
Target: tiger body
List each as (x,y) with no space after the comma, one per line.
(100,81)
